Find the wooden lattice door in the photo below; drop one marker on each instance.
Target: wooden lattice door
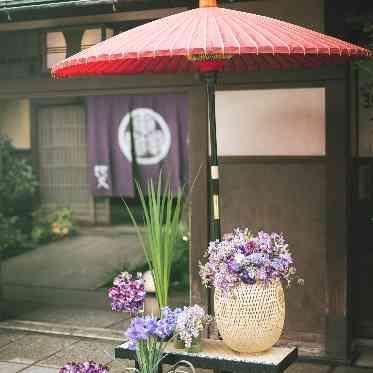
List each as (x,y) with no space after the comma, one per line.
(62,154)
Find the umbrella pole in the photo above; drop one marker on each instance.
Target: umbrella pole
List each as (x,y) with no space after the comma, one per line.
(213,182)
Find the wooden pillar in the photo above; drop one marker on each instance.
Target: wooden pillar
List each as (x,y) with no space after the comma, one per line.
(198,165)
(338,343)
(1,254)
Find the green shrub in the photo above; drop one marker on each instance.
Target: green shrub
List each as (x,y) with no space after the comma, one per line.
(11,236)
(52,226)
(18,184)
(17,187)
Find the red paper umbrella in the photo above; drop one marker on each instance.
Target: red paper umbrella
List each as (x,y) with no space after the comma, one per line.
(210,39)
(231,40)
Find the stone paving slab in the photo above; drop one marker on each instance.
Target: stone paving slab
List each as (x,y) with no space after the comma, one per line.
(99,351)
(119,365)
(308,368)
(11,367)
(9,336)
(34,347)
(37,369)
(352,370)
(70,315)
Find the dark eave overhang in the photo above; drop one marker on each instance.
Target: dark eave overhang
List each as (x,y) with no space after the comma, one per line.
(33,10)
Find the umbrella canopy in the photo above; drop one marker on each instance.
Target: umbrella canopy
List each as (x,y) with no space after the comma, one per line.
(209,38)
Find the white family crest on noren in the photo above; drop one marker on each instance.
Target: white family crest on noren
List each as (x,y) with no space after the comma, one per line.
(151,133)
(101,173)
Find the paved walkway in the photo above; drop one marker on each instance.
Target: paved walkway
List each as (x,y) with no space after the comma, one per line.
(85,262)
(40,353)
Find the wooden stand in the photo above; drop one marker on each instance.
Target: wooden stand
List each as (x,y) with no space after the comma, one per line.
(216,355)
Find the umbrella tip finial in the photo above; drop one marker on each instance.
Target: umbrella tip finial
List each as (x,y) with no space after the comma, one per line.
(207,3)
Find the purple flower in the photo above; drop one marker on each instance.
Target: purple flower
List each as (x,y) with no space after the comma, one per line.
(249,247)
(190,322)
(143,328)
(84,367)
(128,293)
(247,278)
(234,266)
(258,259)
(247,258)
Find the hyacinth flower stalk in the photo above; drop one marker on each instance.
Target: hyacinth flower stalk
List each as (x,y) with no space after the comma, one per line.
(149,337)
(162,215)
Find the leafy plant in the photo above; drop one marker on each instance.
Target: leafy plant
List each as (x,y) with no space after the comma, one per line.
(17,187)
(11,237)
(179,277)
(18,184)
(162,214)
(51,226)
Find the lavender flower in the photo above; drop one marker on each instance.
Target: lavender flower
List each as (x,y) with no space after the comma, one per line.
(190,322)
(244,257)
(148,336)
(84,367)
(128,293)
(144,328)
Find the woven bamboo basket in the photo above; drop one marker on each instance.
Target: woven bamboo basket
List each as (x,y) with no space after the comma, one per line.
(251,317)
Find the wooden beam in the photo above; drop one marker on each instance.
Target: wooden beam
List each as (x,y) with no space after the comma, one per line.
(138,15)
(338,343)
(44,86)
(198,209)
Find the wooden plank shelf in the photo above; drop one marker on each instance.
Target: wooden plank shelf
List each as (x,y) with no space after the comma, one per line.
(216,355)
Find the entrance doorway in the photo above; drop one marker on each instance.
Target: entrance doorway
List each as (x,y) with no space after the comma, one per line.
(62,158)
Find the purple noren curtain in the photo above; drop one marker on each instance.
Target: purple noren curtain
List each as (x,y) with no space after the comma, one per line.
(160,133)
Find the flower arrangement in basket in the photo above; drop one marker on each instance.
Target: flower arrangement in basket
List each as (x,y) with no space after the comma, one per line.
(247,271)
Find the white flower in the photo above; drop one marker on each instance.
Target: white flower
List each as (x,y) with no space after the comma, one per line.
(239,258)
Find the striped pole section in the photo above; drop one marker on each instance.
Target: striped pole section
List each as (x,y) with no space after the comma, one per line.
(214,197)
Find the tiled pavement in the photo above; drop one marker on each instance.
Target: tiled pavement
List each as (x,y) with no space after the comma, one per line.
(41,353)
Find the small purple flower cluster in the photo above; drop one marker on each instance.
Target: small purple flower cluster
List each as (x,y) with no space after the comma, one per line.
(85,367)
(143,328)
(190,323)
(128,293)
(244,257)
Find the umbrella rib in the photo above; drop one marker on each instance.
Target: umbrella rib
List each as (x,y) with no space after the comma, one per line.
(307,35)
(190,37)
(153,38)
(138,36)
(205,33)
(249,36)
(281,41)
(219,35)
(165,37)
(228,26)
(278,38)
(329,39)
(260,33)
(282,27)
(186,23)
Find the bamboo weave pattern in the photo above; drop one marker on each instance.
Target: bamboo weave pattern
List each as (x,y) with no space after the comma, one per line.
(251,318)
